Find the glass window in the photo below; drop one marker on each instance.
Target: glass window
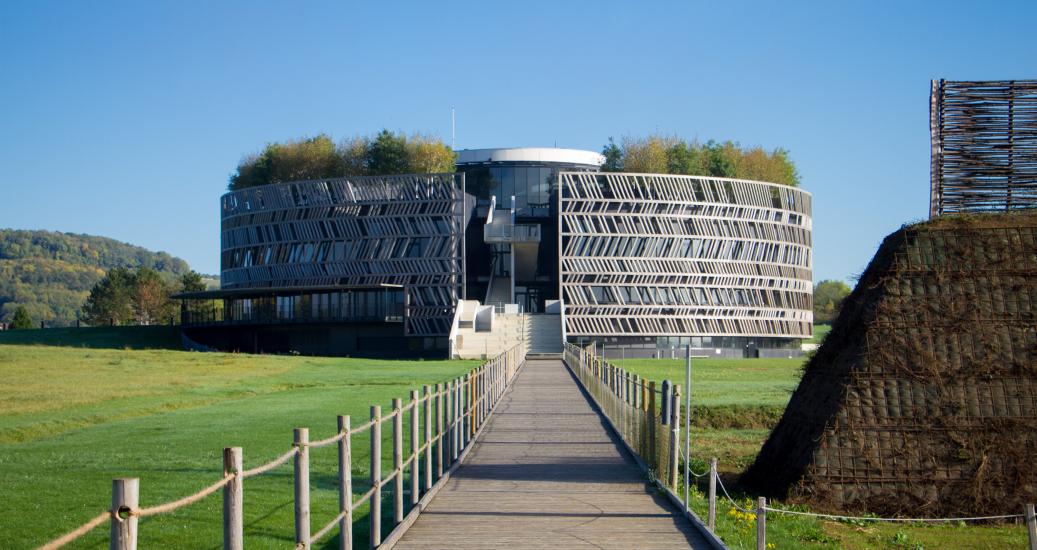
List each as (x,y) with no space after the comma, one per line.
(544,186)
(522,187)
(495,184)
(507,188)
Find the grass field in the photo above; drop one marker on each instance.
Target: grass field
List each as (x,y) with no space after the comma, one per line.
(73,419)
(735,403)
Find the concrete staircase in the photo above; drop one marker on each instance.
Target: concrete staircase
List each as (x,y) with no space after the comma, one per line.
(542,334)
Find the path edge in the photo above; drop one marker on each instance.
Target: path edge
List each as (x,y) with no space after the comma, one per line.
(696,522)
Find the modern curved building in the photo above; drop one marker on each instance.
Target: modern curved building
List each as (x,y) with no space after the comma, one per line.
(394,265)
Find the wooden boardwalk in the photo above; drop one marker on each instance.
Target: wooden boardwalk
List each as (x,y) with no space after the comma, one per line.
(547,473)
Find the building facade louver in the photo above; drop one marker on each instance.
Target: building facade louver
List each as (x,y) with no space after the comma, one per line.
(376,265)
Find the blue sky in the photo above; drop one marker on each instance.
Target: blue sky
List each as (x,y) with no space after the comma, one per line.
(125,119)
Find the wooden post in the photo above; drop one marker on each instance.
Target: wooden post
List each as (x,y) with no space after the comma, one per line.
(415,443)
(458,423)
(761,523)
(125,500)
(637,391)
(376,476)
(233,513)
(652,422)
(451,428)
(345,484)
(301,441)
(440,440)
(1031,525)
(675,440)
(427,395)
(711,517)
(397,461)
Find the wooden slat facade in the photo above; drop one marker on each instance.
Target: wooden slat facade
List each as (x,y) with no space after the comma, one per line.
(984,146)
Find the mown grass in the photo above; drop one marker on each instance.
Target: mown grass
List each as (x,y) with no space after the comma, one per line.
(73,419)
(735,403)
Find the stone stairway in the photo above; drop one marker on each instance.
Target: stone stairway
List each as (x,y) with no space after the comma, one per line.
(542,334)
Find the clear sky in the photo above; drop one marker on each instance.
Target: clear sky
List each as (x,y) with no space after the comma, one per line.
(125,119)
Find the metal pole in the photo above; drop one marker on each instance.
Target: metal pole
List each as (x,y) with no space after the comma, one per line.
(687,428)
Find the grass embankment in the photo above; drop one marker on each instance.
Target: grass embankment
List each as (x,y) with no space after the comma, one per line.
(72,419)
(735,403)
(153,337)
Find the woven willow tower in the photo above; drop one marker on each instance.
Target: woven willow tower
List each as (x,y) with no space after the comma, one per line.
(923,398)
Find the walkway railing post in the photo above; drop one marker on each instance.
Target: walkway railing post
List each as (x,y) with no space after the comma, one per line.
(345,488)
(761,523)
(415,444)
(711,517)
(653,417)
(376,476)
(302,487)
(448,426)
(125,500)
(675,441)
(397,461)
(440,440)
(233,511)
(1031,525)
(458,435)
(426,393)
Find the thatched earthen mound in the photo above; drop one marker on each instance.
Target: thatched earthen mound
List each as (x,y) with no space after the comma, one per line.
(922,401)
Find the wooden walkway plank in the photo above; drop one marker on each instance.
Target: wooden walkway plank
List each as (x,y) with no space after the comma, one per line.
(547,473)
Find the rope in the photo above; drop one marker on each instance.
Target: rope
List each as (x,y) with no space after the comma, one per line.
(733,503)
(78,532)
(328,441)
(324,531)
(692,472)
(270,465)
(898,520)
(191,499)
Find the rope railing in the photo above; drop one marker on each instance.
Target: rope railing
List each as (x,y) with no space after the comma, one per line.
(449,415)
(647,417)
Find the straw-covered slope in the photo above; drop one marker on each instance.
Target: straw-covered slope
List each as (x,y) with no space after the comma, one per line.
(922,401)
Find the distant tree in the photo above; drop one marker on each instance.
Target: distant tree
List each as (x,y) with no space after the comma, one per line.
(828,299)
(646,154)
(429,155)
(613,157)
(721,160)
(387,154)
(111,299)
(354,155)
(318,158)
(682,158)
(671,155)
(151,303)
(303,159)
(21,320)
(191,282)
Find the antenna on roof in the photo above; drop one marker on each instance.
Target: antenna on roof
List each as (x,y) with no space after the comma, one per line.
(453,130)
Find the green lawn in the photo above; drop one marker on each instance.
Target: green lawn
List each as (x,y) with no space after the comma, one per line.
(73,419)
(735,403)
(820,331)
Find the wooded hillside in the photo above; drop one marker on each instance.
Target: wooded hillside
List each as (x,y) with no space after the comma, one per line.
(51,273)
